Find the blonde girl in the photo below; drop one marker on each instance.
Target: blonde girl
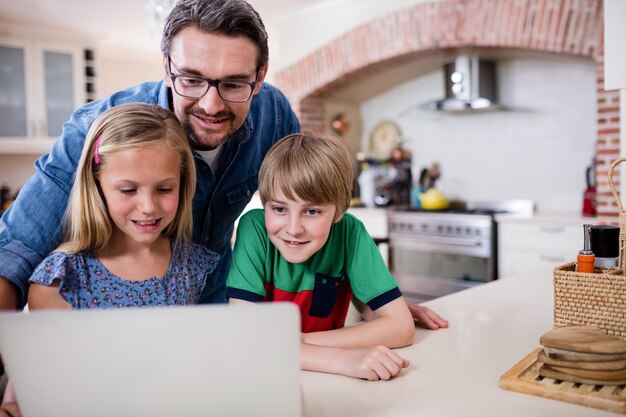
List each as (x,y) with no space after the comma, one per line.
(129,219)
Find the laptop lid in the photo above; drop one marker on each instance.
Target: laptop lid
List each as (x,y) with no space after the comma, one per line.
(209,360)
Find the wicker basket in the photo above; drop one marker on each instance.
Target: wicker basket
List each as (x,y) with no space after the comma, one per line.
(594,299)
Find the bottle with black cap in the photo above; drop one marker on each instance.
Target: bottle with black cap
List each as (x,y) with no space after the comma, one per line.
(605,245)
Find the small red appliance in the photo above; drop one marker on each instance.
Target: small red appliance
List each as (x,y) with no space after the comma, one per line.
(589,196)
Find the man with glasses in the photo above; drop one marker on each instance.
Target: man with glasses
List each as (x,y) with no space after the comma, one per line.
(215,58)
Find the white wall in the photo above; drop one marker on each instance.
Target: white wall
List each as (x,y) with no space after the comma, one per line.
(295,35)
(116,73)
(615,67)
(16,169)
(538,151)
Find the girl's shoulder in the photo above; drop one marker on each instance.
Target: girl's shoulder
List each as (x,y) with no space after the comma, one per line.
(58,265)
(58,259)
(193,253)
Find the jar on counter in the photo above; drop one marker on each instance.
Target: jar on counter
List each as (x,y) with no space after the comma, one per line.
(605,245)
(367,185)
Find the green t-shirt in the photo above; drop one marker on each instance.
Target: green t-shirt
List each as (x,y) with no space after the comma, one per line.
(322,286)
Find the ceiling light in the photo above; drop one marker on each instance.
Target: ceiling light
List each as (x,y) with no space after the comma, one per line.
(156,12)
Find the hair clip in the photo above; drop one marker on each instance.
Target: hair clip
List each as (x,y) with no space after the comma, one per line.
(96,154)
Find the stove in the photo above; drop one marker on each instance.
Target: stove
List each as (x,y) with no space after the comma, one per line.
(435,253)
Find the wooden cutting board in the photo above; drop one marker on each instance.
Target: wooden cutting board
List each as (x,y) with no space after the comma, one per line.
(583,339)
(611,365)
(524,377)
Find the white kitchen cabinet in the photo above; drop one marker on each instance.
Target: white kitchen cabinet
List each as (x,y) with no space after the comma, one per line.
(41,83)
(375,222)
(538,244)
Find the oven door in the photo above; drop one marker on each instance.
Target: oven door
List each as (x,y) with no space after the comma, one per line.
(434,268)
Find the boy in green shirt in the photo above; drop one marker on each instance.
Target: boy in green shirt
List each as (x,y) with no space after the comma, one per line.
(303,248)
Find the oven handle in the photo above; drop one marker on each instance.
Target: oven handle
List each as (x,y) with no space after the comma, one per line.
(473,248)
(408,243)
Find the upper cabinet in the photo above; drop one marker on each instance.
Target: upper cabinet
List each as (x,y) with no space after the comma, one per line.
(41,84)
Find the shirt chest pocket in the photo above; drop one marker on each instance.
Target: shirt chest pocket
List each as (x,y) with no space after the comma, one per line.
(242,191)
(325,292)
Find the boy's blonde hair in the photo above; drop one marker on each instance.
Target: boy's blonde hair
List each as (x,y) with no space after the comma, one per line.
(315,169)
(87,223)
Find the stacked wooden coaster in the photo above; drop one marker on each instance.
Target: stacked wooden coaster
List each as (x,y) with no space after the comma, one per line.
(583,354)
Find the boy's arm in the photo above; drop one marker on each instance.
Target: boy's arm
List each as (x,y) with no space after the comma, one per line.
(427,318)
(372,363)
(391,325)
(46,297)
(424,315)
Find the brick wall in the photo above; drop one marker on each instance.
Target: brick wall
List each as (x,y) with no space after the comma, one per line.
(571,27)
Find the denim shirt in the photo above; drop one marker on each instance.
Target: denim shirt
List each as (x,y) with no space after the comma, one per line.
(32,226)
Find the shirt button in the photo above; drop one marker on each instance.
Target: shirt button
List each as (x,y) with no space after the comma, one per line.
(248,193)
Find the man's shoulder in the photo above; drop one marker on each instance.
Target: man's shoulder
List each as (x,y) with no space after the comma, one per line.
(271,117)
(268,89)
(152,92)
(270,95)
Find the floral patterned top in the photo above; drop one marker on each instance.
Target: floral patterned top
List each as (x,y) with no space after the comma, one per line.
(86,283)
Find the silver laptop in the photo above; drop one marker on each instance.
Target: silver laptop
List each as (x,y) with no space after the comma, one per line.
(214,360)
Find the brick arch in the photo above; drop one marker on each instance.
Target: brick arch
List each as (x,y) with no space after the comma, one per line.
(570,27)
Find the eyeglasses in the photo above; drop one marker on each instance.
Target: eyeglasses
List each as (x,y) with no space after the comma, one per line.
(196,87)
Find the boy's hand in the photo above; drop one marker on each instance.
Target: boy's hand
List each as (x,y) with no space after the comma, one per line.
(427,318)
(378,362)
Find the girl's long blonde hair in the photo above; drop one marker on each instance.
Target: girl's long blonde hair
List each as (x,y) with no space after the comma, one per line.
(87,224)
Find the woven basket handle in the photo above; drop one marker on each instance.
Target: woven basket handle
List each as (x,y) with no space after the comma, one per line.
(622,217)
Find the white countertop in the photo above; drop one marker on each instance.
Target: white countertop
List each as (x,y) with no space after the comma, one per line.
(555,218)
(455,372)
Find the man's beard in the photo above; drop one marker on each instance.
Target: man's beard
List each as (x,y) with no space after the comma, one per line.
(196,144)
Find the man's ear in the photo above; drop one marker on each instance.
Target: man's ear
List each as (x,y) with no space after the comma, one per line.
(338,217)
(260,79)
(166,75)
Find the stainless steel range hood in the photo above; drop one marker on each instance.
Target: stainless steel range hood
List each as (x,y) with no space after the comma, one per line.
(470,84)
